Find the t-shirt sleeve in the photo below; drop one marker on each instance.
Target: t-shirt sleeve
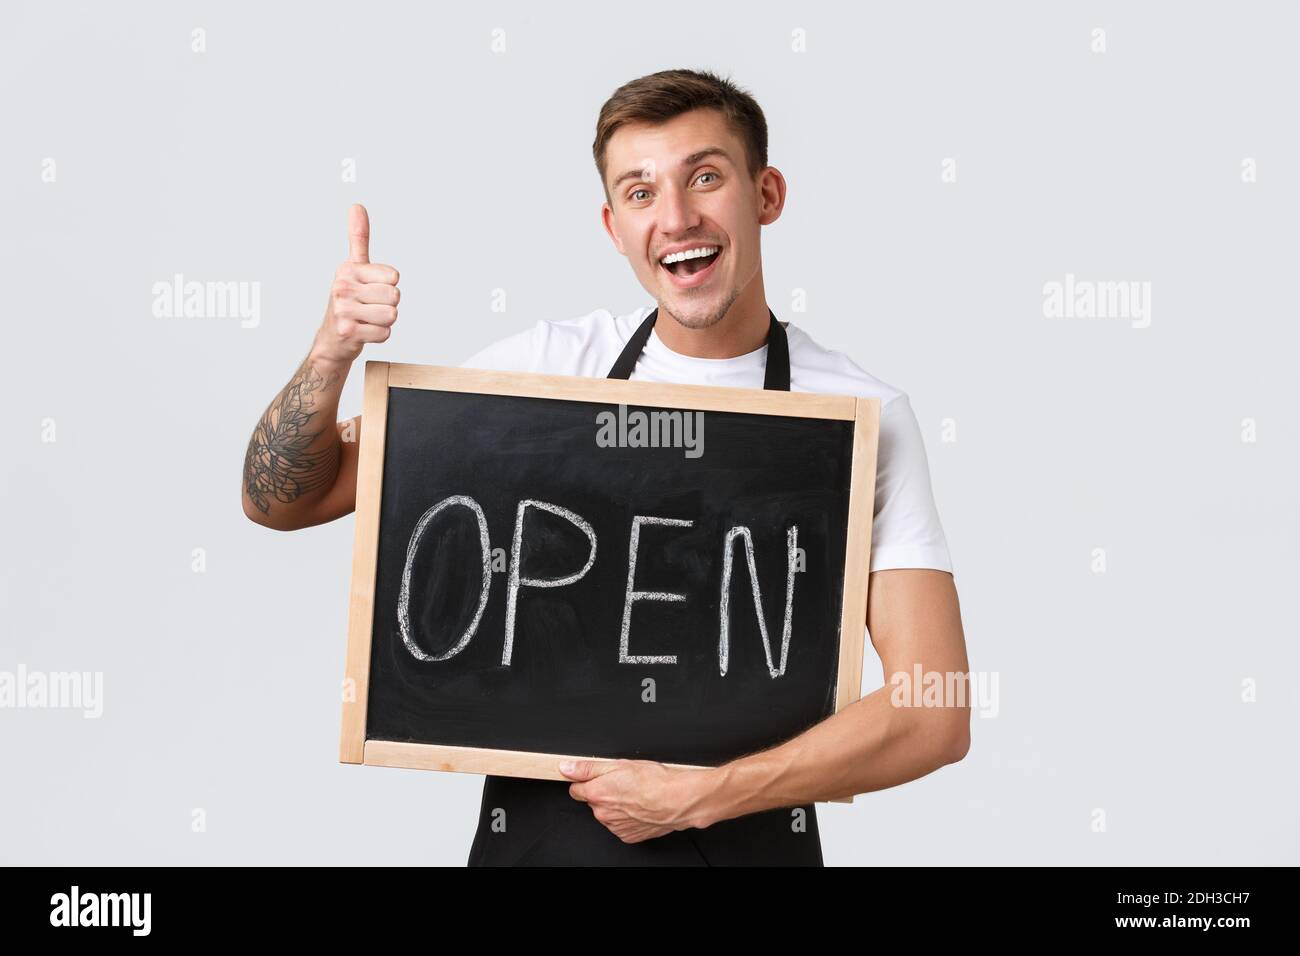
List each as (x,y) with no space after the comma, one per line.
(577,346)
(905,529)
(514,353)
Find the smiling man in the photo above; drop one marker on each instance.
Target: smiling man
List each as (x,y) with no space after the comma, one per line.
(682,157)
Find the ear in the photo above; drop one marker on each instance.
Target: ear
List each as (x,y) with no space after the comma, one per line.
(607,220)
(771,195)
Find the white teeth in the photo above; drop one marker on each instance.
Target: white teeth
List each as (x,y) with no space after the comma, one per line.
(688,254)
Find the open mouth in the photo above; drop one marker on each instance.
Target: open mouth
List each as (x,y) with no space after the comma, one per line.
(693,271)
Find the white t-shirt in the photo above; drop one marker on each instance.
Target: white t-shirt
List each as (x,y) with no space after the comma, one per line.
(905,530)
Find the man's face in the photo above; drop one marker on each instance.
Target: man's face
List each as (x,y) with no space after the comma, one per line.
(685,185)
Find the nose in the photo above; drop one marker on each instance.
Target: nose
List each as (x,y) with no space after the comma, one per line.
(677,213)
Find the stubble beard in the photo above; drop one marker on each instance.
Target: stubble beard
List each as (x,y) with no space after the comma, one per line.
(711,318)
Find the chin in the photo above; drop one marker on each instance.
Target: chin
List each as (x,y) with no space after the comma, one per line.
(698,314)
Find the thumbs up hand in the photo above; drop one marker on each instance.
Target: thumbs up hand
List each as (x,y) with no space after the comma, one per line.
(363,299)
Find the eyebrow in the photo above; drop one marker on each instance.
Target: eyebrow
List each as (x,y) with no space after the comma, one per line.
(690,160)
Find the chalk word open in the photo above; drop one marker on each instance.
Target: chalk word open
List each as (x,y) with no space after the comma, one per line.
(518,580)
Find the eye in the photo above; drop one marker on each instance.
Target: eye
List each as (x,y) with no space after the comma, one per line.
(634,192)
(702,175)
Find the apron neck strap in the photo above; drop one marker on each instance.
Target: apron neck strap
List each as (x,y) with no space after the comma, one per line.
(776,376)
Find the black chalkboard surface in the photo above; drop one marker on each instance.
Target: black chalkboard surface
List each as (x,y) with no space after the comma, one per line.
(533,579)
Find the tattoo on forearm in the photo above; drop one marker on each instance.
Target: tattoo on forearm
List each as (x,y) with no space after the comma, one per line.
(278,465)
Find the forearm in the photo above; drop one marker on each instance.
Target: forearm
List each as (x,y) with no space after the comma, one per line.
(293,455)
(869,745)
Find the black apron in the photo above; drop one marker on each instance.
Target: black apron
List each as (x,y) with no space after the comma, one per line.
(545,826)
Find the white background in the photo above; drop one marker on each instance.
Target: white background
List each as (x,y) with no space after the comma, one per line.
(1118,691)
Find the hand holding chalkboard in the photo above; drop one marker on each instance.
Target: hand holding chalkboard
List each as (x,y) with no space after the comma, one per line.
(363,299)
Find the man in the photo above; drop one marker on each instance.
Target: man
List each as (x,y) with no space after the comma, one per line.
(682,156)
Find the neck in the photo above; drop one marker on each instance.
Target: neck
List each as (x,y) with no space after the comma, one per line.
(742,330)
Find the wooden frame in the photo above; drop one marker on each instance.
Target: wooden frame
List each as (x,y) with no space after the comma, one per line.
(381,376)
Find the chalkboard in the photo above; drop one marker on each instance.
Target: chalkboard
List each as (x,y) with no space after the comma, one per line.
(550,566)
